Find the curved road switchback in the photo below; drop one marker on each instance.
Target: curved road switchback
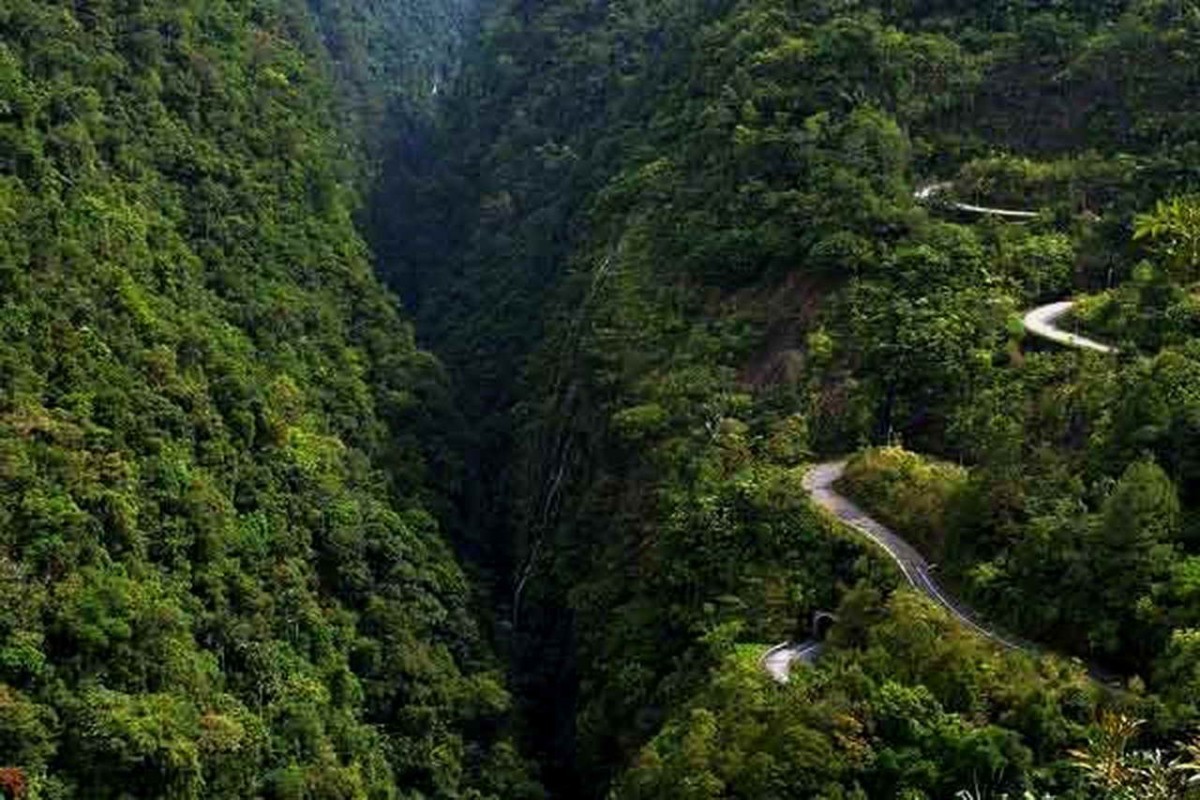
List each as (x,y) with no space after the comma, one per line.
(929,191)
(1040,322)
(820,479)
(819,483)
(779,659)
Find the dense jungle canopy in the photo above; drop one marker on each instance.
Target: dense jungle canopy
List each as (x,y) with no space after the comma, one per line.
(413,398)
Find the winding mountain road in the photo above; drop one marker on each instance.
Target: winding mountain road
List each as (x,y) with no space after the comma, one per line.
(1040,322)
(928,192)
(820,479)
(819,483)
(779,659)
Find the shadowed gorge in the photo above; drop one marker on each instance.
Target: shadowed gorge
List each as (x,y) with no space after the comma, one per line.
(687,261)
(414,399)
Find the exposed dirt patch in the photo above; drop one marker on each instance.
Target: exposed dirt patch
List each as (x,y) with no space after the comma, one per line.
(787,312)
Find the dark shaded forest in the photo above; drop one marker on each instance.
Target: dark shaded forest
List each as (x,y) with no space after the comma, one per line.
(222,570)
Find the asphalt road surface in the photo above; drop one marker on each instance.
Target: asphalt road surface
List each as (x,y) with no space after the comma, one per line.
(1040,322)
(916,570)
(928,192)
(779,659)
(818,482)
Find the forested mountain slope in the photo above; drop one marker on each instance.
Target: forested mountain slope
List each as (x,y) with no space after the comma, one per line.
(220,572)
(668,254)
(691,229)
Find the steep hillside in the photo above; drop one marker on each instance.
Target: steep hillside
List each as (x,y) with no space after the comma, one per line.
(668,254)
(690,253)
(221,576)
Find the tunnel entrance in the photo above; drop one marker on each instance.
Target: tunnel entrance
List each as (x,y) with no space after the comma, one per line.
(822,621)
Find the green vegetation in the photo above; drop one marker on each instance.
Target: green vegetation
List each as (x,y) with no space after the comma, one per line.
(685,258)
(669,254)
(908,493)
(220,575)
(905,705)
(1117,772)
